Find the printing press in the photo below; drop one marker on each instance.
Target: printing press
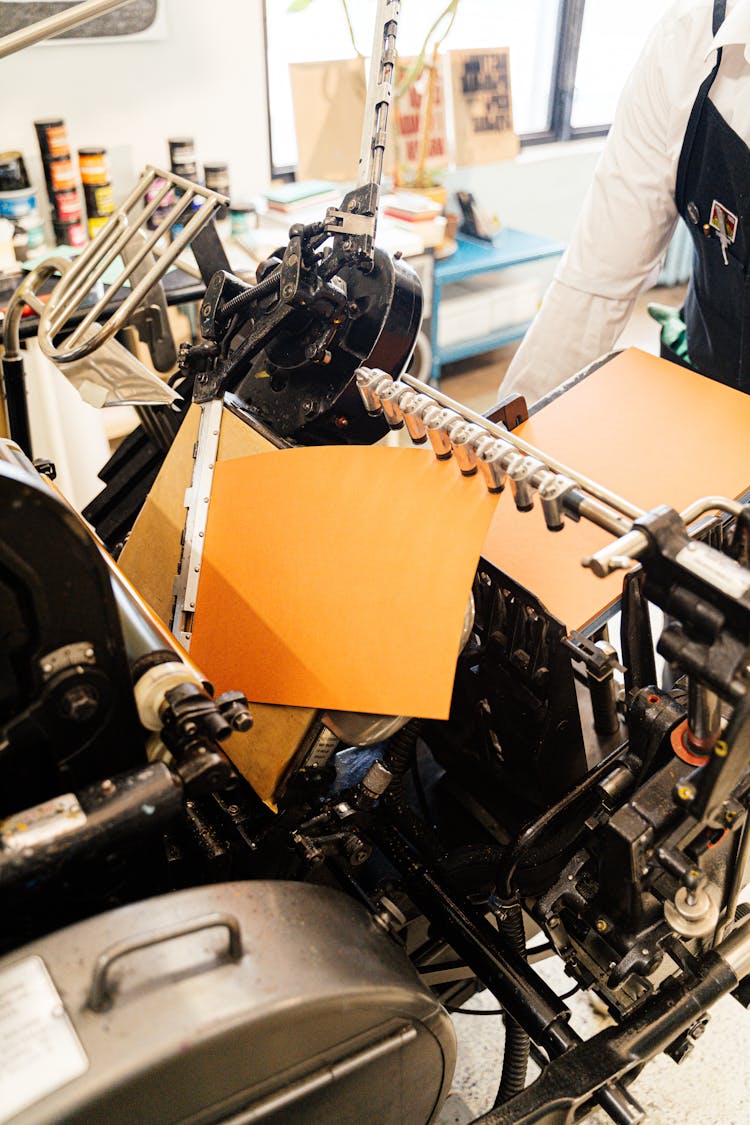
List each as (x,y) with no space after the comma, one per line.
(222,911)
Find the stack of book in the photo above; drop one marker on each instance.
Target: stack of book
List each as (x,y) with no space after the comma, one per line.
(413,211)
(298,196)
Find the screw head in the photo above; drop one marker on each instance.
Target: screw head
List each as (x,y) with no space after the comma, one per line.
(80,703)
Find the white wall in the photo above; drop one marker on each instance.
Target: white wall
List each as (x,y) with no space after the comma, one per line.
(206,79)
(541,190)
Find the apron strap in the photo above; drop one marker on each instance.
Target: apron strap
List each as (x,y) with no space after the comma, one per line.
(720,7)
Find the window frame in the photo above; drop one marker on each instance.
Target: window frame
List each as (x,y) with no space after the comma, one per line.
(562,88)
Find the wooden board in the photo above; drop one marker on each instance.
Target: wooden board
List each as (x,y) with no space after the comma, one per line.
(652,432)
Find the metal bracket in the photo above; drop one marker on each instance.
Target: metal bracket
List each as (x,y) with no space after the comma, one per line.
(197,499)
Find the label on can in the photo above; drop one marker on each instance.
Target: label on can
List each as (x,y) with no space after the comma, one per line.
(70,234)
(93,166)
(56,140)
(15,204)
(67,206)
(96,223)
(62,174)
(41,1051)
(104,200)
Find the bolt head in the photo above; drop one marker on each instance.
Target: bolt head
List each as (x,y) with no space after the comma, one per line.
(79,704)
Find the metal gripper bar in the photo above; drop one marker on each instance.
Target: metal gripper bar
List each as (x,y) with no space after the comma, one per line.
(145,260)
(483,448)
(379,93)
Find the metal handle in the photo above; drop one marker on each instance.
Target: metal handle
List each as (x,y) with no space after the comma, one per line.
(99,998)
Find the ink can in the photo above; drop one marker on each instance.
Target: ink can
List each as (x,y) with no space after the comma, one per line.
(53,138)
(61,174)
(67,206)
(92,164)
(69,234)
(13,174)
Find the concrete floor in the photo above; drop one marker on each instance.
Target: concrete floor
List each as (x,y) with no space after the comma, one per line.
(712,1086)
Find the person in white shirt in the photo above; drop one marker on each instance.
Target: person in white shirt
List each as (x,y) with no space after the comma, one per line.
(678,146)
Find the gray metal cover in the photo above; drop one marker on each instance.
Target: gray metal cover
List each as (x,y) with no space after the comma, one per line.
(322,1019)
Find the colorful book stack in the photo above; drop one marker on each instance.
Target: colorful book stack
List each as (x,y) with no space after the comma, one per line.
(297,196)
(60,178)
(97,188)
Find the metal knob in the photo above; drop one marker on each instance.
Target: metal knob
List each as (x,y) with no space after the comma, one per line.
(521,472)
(552,492)
(438,421)
(492,462)
(413,407)
(367,379)
(463,435)
(390,401)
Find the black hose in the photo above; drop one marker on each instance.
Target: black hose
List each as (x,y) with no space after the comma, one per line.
(516,1053)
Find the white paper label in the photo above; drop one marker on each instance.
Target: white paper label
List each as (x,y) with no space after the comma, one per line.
(40,1050)
(722,572)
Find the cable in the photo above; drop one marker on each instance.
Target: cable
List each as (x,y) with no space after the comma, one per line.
(473,1011)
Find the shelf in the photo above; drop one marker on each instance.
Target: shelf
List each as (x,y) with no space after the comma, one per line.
(462,349)
(510,247)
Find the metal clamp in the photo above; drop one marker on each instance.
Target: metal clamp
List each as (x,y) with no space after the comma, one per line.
(99,997)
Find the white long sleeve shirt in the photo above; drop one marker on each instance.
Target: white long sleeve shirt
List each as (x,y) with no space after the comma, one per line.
(629,215)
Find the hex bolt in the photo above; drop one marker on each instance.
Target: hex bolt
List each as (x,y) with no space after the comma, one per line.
(80,703)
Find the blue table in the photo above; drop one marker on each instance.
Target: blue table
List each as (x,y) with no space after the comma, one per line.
(509,248)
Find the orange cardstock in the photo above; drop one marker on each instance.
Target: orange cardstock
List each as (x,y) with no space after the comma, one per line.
(649,430)
(338,577)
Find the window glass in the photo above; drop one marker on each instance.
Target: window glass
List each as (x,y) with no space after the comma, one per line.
(320,32)
(612,38)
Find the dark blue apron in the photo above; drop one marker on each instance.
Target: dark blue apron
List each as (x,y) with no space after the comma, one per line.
(713,187)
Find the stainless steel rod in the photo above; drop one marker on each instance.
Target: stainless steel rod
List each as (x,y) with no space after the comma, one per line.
(54,25)
(379,92)
(596,490)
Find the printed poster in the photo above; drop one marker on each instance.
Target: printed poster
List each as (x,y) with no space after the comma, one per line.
(418,142)
(482,106)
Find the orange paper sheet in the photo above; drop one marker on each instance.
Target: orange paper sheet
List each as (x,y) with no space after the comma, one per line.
(652,432)
(338,577)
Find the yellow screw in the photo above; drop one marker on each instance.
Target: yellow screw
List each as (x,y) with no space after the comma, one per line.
(601,925)
(721,749)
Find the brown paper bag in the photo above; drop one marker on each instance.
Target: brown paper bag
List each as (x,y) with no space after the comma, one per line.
(329,107)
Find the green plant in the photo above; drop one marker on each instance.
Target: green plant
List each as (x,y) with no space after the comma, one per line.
(443,21)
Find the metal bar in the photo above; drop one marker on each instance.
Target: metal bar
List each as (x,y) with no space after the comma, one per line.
(165,225)
(379,93)
(590,486)
(197,499)
(82,280)
(53,25)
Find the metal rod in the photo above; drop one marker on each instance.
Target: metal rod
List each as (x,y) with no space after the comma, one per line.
(83,281)
(165,225)
(596,490)
(379,93)
(54,25)
(740,863)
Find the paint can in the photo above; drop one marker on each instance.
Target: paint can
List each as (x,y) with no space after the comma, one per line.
(217,179)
